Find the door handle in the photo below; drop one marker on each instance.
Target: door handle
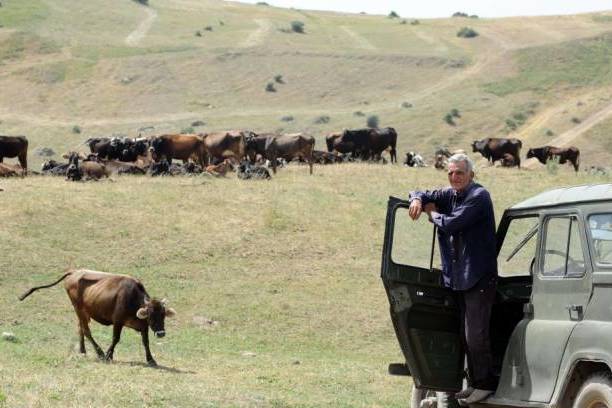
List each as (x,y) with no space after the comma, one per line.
(576,310)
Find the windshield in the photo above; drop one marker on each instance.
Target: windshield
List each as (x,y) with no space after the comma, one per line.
(601,235)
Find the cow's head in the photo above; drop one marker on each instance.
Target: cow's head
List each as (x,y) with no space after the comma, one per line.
(155,312)
(475,144)
(530,153)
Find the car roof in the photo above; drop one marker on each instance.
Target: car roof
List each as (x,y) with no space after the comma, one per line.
(567,195)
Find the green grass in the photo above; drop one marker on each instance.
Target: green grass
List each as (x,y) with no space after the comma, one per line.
(289,268)
(582,63)
(20,44)
(22,14)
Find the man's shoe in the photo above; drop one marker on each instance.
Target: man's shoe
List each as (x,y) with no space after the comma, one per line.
(464,393)
(477,396)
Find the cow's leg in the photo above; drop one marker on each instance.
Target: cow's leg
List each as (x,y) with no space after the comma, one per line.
(393,155)
(81,339)
(84,323)
(145,342)
(116,336)
(23,161)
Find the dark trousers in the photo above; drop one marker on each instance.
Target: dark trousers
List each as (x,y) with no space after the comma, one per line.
(475,307)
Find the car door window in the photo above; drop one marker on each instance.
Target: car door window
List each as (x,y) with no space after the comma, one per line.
(519,247)
(412,241)
(601,236)
(563,255)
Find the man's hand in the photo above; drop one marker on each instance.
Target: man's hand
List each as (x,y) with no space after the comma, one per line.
(415,209)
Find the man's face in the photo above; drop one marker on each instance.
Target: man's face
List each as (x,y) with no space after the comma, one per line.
(458,176)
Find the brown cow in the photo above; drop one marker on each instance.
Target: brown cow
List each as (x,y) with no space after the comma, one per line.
(178,146)
(110,299)
(494,148)
(87,169)
(15,146)
(10,171)
(220,169)
(289,147)
(223,145)
(563,154)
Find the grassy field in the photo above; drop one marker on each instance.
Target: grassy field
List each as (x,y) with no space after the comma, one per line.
(116,67)
(288,269)
(276,284)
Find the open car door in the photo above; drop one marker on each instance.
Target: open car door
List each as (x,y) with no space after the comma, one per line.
(423,312)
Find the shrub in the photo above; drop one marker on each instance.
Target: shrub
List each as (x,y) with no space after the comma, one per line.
(511,124)
(76,129)
(467,32)
(460,14)
(187,130)
(406,105)
(322,119)
(279,79)
(552,165)
(198,123)
(358,113)
(143,2)
(549,132)
(198,33)
(576,120)
(473,16)
(448,118)
(455,113)
(288,118)
(415,22)
(403,21)
(221,23)
(393,14)
(270,87)
(208,28)
(262,3)
(372,121)
(297,27)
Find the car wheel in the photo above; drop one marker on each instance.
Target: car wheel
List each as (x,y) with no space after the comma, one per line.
(424,398)
(596,392)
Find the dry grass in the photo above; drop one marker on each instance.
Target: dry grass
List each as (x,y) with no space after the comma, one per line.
(289,268)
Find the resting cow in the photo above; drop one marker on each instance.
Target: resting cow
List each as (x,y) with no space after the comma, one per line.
(87,169)
(15,146)
(109,299)
(563,154)
(493,148)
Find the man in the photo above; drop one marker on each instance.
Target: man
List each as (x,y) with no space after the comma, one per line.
(464,216)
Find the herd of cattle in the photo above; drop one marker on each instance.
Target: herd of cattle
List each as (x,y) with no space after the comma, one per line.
(250,154)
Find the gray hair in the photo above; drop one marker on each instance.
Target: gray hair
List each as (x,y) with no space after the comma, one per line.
(460,157)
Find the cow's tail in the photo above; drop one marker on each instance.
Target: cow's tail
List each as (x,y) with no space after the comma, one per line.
(29,292)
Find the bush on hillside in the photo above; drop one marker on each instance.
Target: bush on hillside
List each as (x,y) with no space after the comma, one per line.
(393,14)
(467,32)
(455,113)
(198,123)
(76,129)
(297,27)
(473,16)
(322,119)
(403,21)
(358,113)
(208,28)
(270,87)
(262,3)
(415,22)
(198,33)
(460,14)
(448,118)
(549,132)
(188,129)
(372,121)
(279,79)
(143,2)
(576,120)
(287,118)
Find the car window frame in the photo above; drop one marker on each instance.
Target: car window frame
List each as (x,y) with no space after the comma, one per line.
(544,219)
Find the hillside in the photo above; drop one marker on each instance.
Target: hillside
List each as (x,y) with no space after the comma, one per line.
(114,67)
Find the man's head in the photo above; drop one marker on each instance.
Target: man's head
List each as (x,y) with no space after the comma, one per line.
(460,171)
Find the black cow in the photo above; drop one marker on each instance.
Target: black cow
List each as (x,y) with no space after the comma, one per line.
(493,148)
(15,146)
(54,168)
(563,154)
(248,171)
(383,139)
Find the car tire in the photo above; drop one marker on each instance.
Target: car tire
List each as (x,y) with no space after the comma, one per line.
(595,392)
(424,398)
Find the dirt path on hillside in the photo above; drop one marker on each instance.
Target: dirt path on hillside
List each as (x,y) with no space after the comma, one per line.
(570,135)
(41,120)
(259,34)
(143,28)
(360,40)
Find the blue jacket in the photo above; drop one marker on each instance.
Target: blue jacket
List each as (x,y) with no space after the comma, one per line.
(466,234)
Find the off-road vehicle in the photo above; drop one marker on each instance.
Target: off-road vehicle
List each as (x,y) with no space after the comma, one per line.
(551,324)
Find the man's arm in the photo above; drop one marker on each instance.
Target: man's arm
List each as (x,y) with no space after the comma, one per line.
(425,200)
